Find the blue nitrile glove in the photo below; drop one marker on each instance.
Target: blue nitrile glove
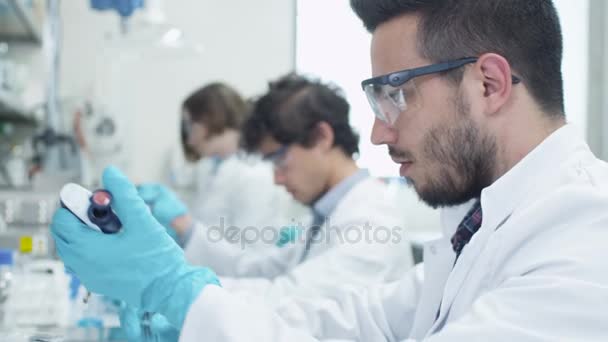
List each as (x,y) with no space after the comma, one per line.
(288,234)
(140,265)
(132,320)
(164,204)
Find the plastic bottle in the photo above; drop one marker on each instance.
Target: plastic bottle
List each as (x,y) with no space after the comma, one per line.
(24,256)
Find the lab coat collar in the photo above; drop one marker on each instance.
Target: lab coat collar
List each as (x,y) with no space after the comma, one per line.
(329,201)
(499,200)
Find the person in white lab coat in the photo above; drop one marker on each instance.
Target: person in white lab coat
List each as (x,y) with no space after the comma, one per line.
(523,257)
(226,188)
(358,233)
(225,182)
(357,237)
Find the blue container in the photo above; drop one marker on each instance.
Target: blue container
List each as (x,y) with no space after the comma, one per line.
(124,7)
(6,257)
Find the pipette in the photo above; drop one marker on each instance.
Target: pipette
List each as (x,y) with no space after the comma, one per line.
(92,208)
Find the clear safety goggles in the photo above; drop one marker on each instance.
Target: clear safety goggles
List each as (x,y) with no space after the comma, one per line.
(186,126)
(392,94)
(277,158)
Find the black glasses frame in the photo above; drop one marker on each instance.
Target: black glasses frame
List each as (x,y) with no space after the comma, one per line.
(277,155)
(398,78)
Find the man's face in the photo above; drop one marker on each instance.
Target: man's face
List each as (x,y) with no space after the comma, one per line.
(443,151)
(301,170)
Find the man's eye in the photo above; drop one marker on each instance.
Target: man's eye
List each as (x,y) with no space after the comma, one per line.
(377,89)
(396,96)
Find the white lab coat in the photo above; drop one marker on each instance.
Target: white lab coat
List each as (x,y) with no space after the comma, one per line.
(239,191)
(236,206)
(535,271)
(336,257)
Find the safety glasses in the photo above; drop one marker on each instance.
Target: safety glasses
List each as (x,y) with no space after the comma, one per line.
(277,158)
(392,94)
(186,126)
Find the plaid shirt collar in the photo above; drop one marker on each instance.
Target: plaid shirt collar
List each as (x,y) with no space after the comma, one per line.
(467,228)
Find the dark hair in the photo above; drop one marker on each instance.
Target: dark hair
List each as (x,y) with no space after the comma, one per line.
(292,109)
(217,106)
(526,32)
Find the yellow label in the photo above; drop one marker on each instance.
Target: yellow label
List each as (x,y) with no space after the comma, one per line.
(25,244)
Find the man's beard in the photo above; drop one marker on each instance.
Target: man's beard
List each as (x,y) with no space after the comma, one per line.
(460,161)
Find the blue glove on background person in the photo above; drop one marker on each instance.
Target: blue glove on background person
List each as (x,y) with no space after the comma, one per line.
(132,323)
(141,265)
(288,234)
(167,208)
(164,204)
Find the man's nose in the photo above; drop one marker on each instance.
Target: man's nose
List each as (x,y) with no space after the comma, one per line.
(383,133)
(279,176)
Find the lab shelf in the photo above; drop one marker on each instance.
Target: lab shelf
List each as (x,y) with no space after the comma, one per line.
(10,104)
(16,123)
(18,23)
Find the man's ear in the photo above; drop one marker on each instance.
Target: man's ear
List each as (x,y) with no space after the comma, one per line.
(496,75)
(323,136)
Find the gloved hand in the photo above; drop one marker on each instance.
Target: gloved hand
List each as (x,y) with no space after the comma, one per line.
(140,265)
(164,204)
(132,322)
(288,234)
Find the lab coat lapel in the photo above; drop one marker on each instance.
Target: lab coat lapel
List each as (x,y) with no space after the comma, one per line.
(469,256)
(438,261)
